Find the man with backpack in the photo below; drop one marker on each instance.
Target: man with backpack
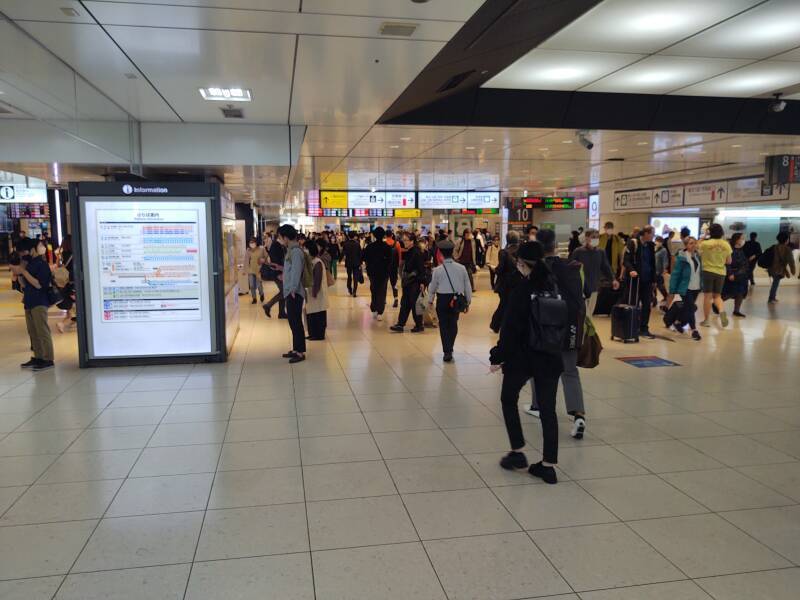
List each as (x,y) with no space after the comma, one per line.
(778,260)
(752,250)
(378,258)
(294,290)
(567,275)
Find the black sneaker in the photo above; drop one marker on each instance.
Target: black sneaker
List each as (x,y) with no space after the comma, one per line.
(715,309)
(267,310)
(254,301)
(396,328)
(696,336)
(547,474)
(44,365)
(514,460)
(394,305)
(417,330)
(646,334)
(30,364)
(290,354)
(297,358)
(448,357)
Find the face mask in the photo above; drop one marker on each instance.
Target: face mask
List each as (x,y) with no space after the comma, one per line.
(532,237)
(253,246)
(609,232)
(594,242)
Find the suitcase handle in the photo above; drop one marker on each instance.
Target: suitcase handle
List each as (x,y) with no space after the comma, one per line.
(630,291)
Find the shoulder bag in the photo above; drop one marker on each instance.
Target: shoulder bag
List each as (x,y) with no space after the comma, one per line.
(459,301)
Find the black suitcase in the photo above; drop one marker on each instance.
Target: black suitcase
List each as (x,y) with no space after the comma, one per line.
(674,313)
(626,319)
(607,297)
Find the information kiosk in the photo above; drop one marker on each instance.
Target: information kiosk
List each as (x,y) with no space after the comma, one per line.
(150,273)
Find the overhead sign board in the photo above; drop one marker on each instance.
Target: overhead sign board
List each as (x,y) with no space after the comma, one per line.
(756,189)
(333,199)
(401,200)
(668,197)
(21,194)
(442,200)
(781,169)
(407,213)
(549,202)
(635,200)
(703,194)
(366,200)
(483,200)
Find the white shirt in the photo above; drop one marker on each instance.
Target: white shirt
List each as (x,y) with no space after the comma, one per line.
(458,275)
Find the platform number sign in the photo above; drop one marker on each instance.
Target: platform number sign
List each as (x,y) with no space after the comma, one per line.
(7,192)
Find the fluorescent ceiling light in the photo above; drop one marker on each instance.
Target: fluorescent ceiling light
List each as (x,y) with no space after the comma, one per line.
(221,94)
(759,78)
(758,213)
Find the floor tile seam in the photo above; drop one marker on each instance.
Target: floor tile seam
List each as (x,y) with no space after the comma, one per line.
(397,489)
(764,544)
(108,506)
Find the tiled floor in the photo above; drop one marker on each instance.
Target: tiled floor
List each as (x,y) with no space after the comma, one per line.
(370,471)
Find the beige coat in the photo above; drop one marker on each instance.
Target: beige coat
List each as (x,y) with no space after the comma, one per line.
(320,303)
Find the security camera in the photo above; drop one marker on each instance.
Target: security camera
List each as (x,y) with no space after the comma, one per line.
(584,141)
(777,105)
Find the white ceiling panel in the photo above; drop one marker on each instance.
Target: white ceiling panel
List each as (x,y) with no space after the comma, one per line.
(662,74)
(764,31)
(791,55)
(178,62)
(44,10)
(88,50)
(559,70)
(352,81)
(765,77)
(445,10)
(278,5)
(642,27)
(183,17)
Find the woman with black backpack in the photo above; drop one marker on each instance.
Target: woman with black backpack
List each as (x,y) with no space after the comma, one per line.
(532,352)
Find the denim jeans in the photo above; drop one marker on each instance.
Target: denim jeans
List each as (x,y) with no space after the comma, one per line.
(773,290)
(255,284)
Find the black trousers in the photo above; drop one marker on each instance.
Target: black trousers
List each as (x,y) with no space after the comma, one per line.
(377,288)
(690,308)
(393,283)
(352,279)
(646,289)
(278,298)
(499,313)
(545,383)
(407,304)
(448,321)
(750,271)
(294,310)
(317,324)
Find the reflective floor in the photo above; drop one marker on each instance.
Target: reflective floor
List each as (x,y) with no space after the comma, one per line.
(370,471)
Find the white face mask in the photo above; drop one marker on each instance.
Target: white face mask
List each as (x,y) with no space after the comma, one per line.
(609,232)
(594,242)
(253,246)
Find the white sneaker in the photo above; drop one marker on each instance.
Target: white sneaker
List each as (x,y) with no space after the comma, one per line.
(534,412)
(374,315)
(578,428)
(379,317)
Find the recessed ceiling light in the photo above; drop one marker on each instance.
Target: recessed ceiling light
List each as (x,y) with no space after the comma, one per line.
(736,145)
(760,153)
(613,149)
(405,139)
(394,147)
(488,140)
(469,147)
(642,143)
(226,94)
(566,141)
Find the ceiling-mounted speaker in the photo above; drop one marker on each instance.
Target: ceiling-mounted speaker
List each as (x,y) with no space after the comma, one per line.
(398,29)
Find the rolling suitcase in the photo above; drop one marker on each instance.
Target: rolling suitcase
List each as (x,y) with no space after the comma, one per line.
(626,319)
(607,297)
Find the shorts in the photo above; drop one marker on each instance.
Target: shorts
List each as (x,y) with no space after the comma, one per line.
(713,282)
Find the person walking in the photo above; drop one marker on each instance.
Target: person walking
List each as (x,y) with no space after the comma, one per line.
(466,254)
(394,266)
(412,279)
(782,263)
(293,291)
(449,280)
(574,242)
(752,250)
(317,295)
(716,255)
(519,363)
(640,270)
(335,253)
(277,255)
(568,278)
(508,276)
(614,247)
(67,303)
(737,274)
(378,258)
(256,256)
(596,268)
(685,281)
(492,258)
(35,277)
(352,252)
(662,266)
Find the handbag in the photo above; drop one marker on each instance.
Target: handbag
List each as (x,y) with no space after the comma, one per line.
(360,275)
(459,301)
(61,274)
(329,278)
(53,295)
(589,352)
(408,278)
(268,274)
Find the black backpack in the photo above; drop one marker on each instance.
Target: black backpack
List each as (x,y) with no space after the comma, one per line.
(547,323)
(567,274)
(767,258)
